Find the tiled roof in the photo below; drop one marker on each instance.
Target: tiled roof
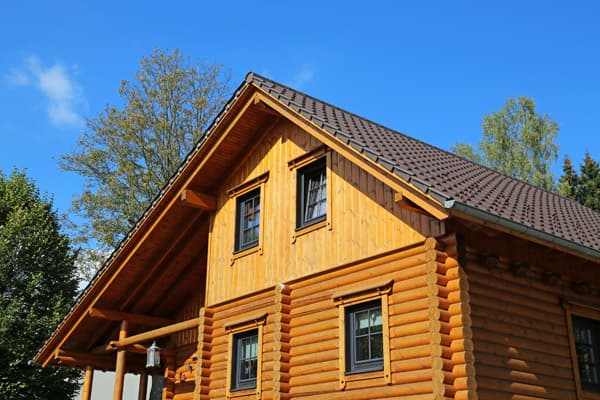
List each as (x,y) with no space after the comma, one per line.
(445,176)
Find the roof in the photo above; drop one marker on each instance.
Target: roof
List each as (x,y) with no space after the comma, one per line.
(447,177)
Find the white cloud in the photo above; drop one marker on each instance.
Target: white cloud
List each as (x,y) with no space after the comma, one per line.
(61,91)
(304,76)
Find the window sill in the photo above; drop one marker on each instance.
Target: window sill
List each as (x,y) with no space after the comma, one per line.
(356,379)
(235,393)
(243,253)
(309,228)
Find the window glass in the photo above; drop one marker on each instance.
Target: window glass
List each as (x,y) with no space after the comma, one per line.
(312,193)
(586,335)
(365,337)
(248,220)
(245,362)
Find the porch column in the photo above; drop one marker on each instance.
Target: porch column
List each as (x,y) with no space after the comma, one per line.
(86,393)
(120,366)
(143,386)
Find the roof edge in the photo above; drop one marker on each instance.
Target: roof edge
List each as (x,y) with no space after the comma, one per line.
(474,212)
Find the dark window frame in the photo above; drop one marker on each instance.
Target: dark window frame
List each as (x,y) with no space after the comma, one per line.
(237,382)
(587,353)
(253,196)
(353,364)
(312,172)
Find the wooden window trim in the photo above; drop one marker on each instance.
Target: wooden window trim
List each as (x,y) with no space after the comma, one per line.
(240,190)
(231,330)
(370,290)
(304,160)
(247,186)
(574,308)
(307,158)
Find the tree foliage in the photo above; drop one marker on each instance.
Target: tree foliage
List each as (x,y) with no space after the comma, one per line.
(517,142)
(583,187)
(37,287)
(127,154)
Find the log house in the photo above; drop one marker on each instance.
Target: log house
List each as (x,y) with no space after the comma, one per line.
(303,252)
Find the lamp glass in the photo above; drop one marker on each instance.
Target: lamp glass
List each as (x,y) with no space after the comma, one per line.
(153,356)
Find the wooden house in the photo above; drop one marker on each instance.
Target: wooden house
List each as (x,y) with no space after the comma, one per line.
(304,252)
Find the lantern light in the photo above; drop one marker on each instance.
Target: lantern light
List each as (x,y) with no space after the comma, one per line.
(153,356)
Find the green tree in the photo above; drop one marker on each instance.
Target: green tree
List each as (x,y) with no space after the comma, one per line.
(126,155)
(583,187)
(517,142)
(37,287)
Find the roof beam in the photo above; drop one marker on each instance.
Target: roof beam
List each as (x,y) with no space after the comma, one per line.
(153,334)
(408,205)
(203,201)
(112,315)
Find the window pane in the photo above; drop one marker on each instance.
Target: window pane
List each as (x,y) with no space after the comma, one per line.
(376,346)
(376,323)
(362,348)
(362,323)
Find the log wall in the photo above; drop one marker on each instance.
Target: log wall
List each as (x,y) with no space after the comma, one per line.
(519,330)
(429,339)
(364,220)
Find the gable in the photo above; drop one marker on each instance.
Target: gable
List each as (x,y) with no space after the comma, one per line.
(363,218)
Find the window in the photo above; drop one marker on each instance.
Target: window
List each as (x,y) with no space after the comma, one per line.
(245,357)
(364,337)
(247,220)
(311,194)
(245,360)
(364,332)
(586,335)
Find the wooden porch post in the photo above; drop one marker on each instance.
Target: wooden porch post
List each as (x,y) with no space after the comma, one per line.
(143,386)
(86,393)
(120,366)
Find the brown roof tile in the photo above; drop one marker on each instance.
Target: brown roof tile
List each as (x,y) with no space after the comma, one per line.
(444,175)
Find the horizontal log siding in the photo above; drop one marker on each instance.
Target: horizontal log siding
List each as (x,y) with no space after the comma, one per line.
(520,336)
(416,367)
(365,220)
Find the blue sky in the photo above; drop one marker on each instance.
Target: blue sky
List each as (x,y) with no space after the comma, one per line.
(430,69)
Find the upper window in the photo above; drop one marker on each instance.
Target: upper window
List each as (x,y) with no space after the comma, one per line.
(248,220)
(364,337)
(245,360)
(586,335)
(312,194)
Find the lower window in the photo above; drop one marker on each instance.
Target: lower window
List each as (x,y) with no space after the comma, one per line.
(364,337)
(586,335)
(245,360)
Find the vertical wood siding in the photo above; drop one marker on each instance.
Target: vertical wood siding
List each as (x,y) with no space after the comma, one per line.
(365,220)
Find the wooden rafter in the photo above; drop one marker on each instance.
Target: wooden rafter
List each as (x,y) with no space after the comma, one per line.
(406,204)
(113,315)
(203,201)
